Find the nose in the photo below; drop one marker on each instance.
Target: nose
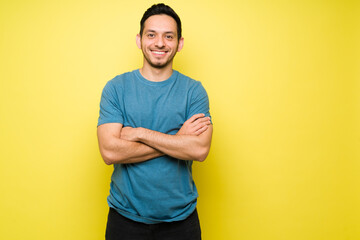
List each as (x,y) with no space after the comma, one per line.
(159,42)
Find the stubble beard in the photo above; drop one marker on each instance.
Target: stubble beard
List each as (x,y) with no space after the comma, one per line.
(158,65)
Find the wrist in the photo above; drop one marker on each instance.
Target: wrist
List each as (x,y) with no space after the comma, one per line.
(140,132)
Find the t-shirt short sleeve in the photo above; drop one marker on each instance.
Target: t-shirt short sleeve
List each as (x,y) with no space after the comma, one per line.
(110,106)
(199,101)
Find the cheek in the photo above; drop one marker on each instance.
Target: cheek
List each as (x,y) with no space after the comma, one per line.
(173,46)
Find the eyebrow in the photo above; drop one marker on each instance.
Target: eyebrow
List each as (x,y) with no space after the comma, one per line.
(150,30)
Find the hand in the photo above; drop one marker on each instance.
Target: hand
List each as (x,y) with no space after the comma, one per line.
(195,125)
(129,134)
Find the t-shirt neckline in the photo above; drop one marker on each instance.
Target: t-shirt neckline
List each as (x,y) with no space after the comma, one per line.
(152,83)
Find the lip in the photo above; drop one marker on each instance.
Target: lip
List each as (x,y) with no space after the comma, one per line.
(158,52)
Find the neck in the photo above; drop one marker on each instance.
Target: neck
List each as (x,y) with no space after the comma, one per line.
(156,74)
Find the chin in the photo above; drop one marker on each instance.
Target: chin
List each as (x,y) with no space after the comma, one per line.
(159,66)
(156,64)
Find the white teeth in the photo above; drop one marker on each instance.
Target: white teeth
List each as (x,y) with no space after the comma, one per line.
(158,52)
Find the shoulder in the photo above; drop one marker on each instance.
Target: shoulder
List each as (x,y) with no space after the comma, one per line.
(121,79)
(185,78)
(118,82)
(194,87)
(190,82)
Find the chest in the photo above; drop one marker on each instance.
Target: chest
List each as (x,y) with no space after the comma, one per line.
(161,109)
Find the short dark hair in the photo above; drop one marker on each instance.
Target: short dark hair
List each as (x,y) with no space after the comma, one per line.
(158,9)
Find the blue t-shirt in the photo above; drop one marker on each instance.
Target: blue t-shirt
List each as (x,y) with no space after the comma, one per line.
(161,189)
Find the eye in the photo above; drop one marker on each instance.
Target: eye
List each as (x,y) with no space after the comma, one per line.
(170,37)
(150,35)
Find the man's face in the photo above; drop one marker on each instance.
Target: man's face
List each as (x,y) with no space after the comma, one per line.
(159,41)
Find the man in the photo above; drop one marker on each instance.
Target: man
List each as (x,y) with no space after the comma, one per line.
(153,123)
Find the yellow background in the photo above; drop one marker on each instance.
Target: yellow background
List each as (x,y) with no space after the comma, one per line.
(283,81)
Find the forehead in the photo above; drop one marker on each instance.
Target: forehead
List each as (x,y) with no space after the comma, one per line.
(160,23)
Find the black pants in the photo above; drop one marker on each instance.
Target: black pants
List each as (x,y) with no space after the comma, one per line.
(121,228)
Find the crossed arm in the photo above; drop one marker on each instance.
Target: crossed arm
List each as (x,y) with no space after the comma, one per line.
(120,144)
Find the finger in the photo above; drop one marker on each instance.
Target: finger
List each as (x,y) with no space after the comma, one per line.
(202,120)
(196,116)
(198,127)
(205,120)
(201,130)
(202,124)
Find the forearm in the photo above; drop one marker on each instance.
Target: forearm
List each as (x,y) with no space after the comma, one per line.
(121,151)
(192,141)
(185,147)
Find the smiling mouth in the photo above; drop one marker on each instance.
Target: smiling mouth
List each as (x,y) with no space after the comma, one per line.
(158,52)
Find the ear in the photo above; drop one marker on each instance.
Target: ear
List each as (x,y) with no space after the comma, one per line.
(181,44)
(138,41)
